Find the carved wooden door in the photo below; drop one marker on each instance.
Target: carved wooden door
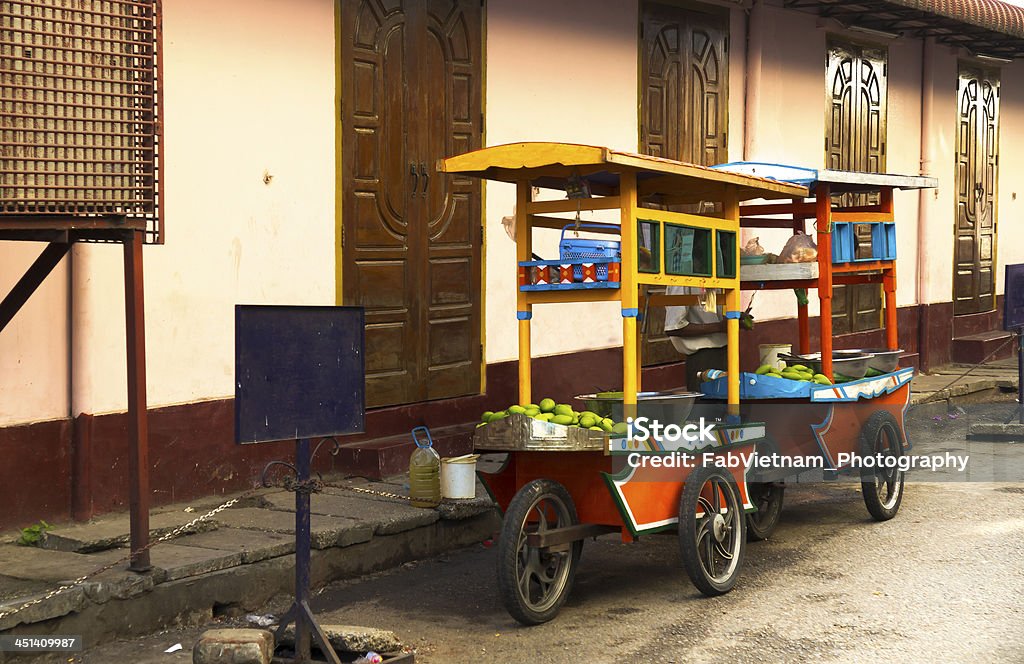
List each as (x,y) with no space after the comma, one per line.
(684,109)
(410,95)
(977,160)
(856,82)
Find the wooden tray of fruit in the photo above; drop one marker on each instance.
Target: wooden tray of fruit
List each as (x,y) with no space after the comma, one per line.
(545,427)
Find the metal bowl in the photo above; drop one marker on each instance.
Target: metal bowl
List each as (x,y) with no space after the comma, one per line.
(851,364)
(882,359)
(671,406)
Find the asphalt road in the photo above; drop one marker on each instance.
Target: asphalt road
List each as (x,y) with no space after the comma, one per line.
(943,581)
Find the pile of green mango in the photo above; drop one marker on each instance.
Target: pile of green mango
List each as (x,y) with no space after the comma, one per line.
(797,372)
(559,413)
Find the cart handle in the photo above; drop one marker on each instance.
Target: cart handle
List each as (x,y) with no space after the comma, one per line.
(416,439)
(592,226)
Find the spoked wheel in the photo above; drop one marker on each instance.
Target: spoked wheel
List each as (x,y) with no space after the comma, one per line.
(534,582)
(712,530)
(767,498)
(882,486)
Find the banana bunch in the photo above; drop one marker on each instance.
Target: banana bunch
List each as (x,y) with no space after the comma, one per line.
(798,372)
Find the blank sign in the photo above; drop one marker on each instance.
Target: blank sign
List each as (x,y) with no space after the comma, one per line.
(1013,302)
(298,372)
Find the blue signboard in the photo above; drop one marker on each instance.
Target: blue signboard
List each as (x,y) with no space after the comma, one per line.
(1013,302)
(298,372)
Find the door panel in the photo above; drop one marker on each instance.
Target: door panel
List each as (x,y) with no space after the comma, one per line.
(855,129)
(451,105)
(684,110)
(380,255)
(977,160)
(410,96)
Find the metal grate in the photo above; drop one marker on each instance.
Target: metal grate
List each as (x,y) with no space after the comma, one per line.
(80,92)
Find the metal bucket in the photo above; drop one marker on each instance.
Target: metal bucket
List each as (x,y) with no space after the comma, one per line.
(458,476)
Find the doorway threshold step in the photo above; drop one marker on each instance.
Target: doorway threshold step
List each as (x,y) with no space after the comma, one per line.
(977,348)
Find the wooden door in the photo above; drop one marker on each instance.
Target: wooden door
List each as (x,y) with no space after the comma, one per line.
(683,108)
(411,94)
(977,160)
(856,82)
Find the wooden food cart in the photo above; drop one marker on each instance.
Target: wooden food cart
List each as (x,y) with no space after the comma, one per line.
(562,484)
(852,417)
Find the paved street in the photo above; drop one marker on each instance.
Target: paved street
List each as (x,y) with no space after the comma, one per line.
(943,581)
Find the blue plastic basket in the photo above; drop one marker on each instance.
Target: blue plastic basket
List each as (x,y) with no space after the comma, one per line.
(843,247)
(582,250)
(883,241)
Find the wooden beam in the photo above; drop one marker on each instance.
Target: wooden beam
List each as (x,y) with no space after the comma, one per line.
(31,280)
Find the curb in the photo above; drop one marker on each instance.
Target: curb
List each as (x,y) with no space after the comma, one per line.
(197,599)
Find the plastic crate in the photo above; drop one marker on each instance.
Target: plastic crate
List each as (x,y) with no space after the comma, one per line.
(883,241)
(843,246)
(583,250)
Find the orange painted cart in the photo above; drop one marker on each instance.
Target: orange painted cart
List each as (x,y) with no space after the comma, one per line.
(855,230)
(562,484)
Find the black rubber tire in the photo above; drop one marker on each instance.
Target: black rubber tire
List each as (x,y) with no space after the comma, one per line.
(761,524)
(509,543)
(881,433)
(689,530)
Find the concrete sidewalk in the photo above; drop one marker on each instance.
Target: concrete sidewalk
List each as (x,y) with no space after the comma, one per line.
(947,384)
(231,564)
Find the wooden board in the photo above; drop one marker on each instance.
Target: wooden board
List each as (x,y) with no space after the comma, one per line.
(779,271)
(519,432)
(515,162)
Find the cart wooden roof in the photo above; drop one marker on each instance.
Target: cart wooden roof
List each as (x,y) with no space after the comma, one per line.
(550,165)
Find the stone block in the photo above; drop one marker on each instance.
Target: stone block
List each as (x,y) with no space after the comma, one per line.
(233,646)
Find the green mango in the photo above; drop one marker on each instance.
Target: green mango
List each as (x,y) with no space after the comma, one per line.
(532,405)
(763,369)
(487,415)
(595,428)
(620,429)
(532,412)
(501,414)
(562,409)
(562,419)
(545,417)
(547,405)
(516,409)
(822,380)
(798,367)
(588,422)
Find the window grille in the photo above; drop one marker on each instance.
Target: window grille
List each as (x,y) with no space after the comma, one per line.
(80,110)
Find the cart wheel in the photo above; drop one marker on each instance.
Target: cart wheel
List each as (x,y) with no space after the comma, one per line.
(711,530)
(534,583)
(882,487)
(767,498)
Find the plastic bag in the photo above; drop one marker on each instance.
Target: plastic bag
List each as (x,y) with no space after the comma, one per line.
(752,248)
(799,249)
